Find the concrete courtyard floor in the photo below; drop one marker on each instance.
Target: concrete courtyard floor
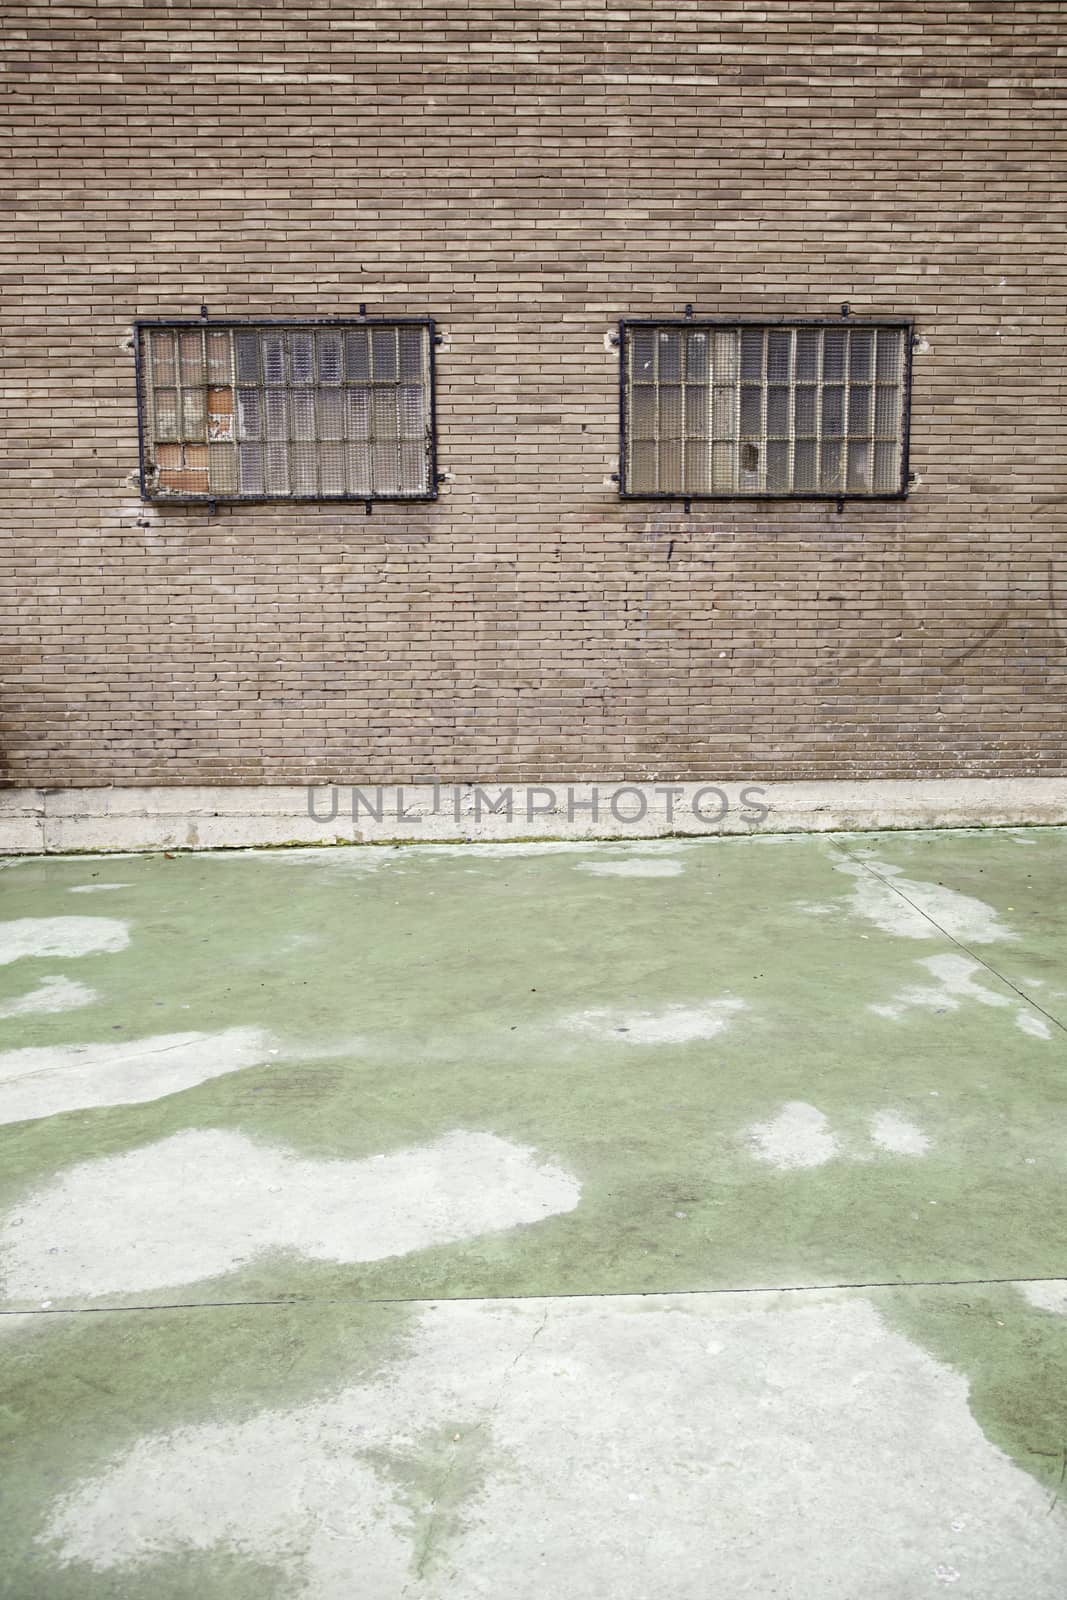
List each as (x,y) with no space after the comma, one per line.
(674,1220)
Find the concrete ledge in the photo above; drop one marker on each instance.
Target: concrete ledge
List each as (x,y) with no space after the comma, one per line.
(58,821)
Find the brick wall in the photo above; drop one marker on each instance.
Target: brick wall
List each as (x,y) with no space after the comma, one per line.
(527,173)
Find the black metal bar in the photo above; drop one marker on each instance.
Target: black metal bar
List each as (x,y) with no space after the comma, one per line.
(140,407)
(432,326)
(765,322)
(622,408)
(905,416)
(353,321)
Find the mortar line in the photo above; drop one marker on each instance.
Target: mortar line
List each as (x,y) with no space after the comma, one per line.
(490,1299)
(988,965)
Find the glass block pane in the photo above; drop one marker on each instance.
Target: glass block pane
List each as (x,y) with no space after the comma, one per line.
(804,411)
(779,354)
(859,466)
(670,356)
(277,403)
(273,356)
(724,468)
(277,470)
(752,353)
(164,370)
(250,468)
(357,357)
(332,468)
(194,414)
(835,341)
(165,408)
(642,474)
(671,465)
(697,413)
(748,466)
(724,356)
(385,467)
(222,468)
(249,414)
(751,411)
(807,356)
(861,355)
(357,467)
(833,410)
(331,360)
(219,356)
(192,357)
(304,469)
(220,413)
(830,474)
(805,465)
(357,413)
(642,355)
(859,409)
(724,416)
(412,342)
(413,411)
(302,413)
(696,358)
(670,412)
(247,346)
(698,466)
(890,355)
(384,415)
(413,469)
(643,412)
(886,469)
(331,414)
(778,466)
(778,412)
(886,410)
(383,354)
(302,358)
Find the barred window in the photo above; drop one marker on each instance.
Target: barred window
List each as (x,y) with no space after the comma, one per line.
(720,410)
(287,410)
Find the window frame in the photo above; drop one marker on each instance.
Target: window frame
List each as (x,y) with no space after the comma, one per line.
(907,324)
(184,324)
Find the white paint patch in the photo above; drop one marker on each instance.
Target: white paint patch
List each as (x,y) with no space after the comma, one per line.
(1050,1295)
(204,1202)
(43,1081)
(51,994)
(702,1434)
(956,984)
(1032,1024)
(897,1135)
(799,1136)
(961,916)
(636,867)
(96,888)
(672,1025)
(61,936)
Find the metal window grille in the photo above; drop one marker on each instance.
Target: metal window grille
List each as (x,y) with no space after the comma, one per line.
(720,410)
(287,410)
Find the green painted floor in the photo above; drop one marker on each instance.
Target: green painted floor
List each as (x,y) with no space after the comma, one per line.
(342,1170)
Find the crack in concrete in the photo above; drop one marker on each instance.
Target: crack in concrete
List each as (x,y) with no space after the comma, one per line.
(490,1299)
(434,1523)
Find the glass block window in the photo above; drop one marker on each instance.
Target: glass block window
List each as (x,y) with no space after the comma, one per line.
(287,411)
(720,410)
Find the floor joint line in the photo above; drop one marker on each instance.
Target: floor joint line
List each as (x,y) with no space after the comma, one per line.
(988,965)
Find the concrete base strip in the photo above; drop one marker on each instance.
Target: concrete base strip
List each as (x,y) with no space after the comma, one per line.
(197,817)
